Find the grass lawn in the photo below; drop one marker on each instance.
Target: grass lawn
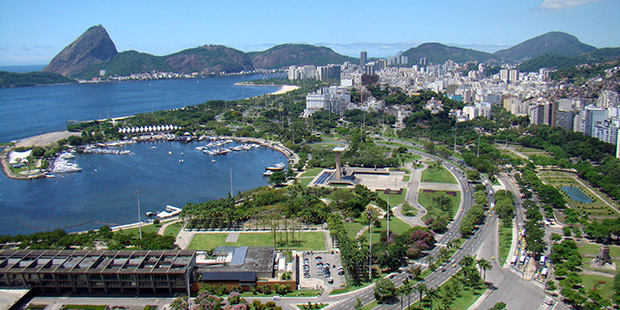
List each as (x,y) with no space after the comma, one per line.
(173,229)
(396,226)
(294,293)
(426,200)
(310,241)
(505,240)
(464,301)
(406,178)
(353,227)
(593,248)
(593,282)
(85,307)
(146,228)
(441,175)
(395,199)
(312,172)
(305,181)
(371,305)
(409,210)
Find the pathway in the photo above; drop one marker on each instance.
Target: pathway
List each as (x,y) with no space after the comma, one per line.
(163,227)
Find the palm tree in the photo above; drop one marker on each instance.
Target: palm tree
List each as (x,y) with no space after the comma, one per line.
(432,293)
(421,288)
(408,289)
(484,265)
(467,261)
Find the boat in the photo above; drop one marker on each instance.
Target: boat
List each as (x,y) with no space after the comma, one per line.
(181,154)
(180,160)
(276,167)
(153,147)
(169,152)
(213,160)
(50,176)
(268,173)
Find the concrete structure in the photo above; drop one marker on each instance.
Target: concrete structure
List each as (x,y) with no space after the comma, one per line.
(236,266)
(161,272)
(338,150)
(363,58)
(593,115)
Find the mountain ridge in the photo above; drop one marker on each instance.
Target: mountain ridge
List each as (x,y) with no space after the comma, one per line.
(550,43)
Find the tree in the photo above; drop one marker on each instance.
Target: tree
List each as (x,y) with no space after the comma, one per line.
(384,290)
(358,304)
(277,178)
(432,294)
(484,265)
(499,306)
(421,288)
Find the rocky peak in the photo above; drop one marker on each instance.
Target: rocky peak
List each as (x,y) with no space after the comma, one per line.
(92,47)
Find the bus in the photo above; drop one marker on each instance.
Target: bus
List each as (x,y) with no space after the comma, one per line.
(514,260)
(543,273)
(543,259)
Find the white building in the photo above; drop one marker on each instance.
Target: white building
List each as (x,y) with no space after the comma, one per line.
(333,98)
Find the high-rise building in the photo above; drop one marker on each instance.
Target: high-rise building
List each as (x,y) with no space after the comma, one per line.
(380,64)
(593,115)
(513,75)
(503,75)
(370,68)
(363,58)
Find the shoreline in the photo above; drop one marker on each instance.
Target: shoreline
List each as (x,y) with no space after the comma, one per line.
(49,138)
(283,88)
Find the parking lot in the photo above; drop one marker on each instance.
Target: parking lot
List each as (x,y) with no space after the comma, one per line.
(325,267)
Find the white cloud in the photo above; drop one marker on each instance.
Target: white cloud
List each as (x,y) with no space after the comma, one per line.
(563,4)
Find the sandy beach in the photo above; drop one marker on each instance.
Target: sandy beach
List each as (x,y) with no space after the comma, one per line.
(46,138)
(285,89)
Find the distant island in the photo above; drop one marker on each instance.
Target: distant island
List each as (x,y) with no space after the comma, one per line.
(12,79)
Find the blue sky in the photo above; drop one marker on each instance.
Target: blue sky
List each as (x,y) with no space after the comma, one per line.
(33,32)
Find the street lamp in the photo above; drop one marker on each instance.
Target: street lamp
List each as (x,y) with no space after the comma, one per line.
(387,235)
(369,243)
(139,221)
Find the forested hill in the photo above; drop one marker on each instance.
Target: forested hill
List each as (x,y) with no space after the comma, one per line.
(439,53)
(551,43)
(297,54)
(13,79)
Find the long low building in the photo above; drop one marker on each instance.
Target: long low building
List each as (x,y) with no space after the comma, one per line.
(139,272)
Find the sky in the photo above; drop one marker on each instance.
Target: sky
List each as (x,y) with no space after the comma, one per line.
(33,32)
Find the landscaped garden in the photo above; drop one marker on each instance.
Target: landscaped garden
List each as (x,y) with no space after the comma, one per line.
(303,241)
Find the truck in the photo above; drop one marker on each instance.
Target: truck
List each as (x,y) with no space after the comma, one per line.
(543,259)
(543,273)
(513,261)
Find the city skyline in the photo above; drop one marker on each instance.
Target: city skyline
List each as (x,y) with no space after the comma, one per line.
(34,33)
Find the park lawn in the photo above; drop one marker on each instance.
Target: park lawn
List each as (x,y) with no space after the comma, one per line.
(397,226)
(592,282)
(593,248)
(312,172)
(310,241)
(524,149)
(146,228)
(409,210)
(353,227)
(441,175)
(395,199)
(85,307)
(464,301)
(505,241)
(371,305)
(406,178)
(426,200)
(294,293)
(306,181)
(173,229)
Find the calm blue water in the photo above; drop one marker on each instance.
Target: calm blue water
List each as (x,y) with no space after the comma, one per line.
(22,68)
(107,195)
(104,190)
(576,194)
(29,111)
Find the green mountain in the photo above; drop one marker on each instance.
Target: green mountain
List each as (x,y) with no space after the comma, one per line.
(13,79)
(209,59)
(439,53)
(297,54)
(127,63)
(551,43)
(560,62)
